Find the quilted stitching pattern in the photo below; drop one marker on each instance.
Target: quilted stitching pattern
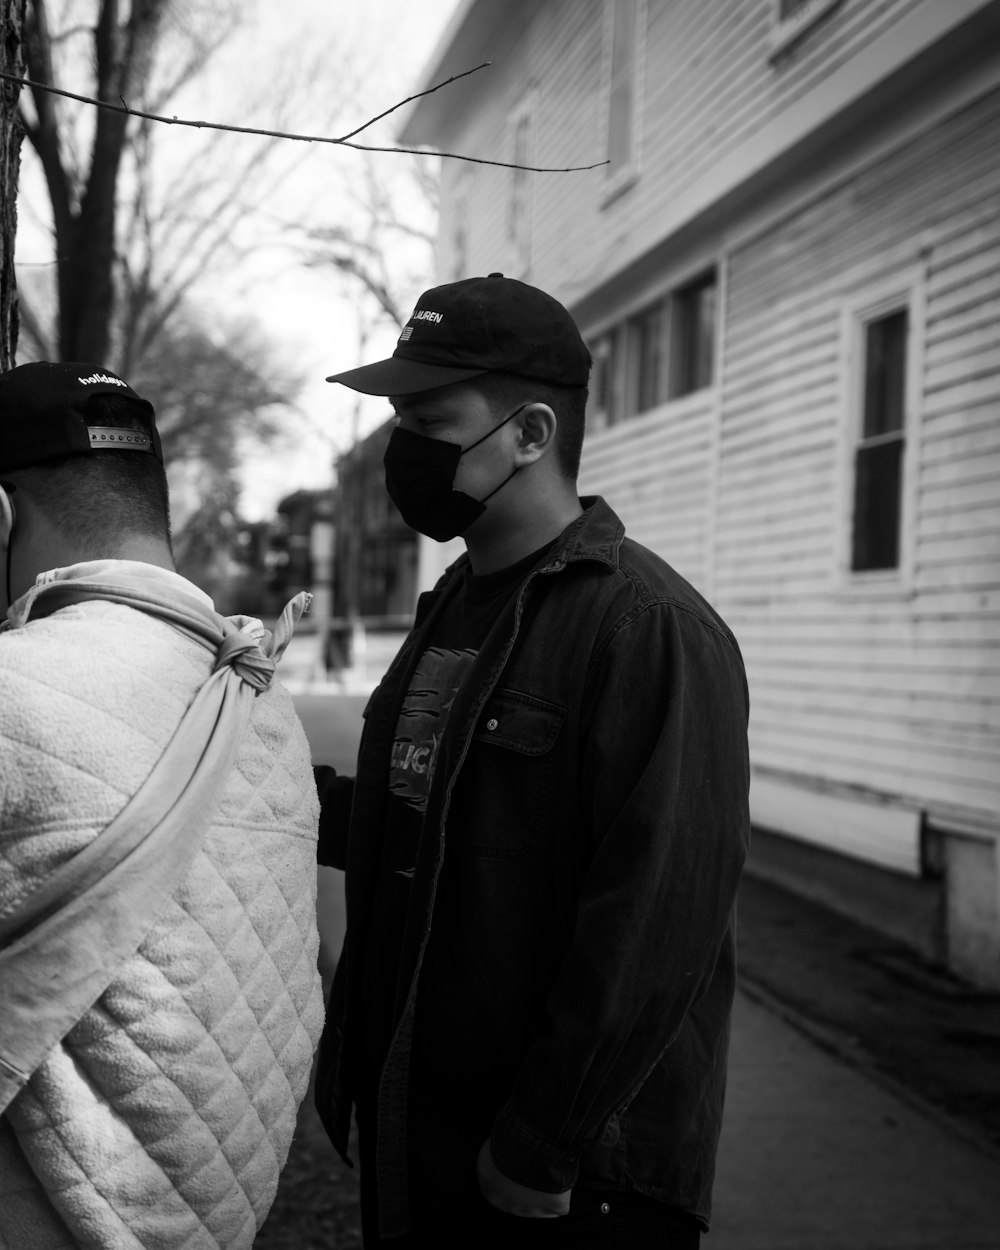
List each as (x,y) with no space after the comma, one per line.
(165,1116)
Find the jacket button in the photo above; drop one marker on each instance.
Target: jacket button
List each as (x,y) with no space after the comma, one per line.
(492,724)
(605,1208)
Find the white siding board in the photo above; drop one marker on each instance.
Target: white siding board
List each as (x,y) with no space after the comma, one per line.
(975,347)
(863,829)
(961,469)
(971,550)
(946,425)
(970,520)
(890,761)
(653,469)
(915,623)
(948,497)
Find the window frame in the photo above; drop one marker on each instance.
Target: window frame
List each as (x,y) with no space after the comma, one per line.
(608,375)
(905,294)
(458,223)
(682,380)
(620,350)
(621,177)
(522,119)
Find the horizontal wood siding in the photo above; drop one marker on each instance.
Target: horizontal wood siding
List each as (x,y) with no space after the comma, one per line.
(655,472)
(893,690)
(710,86)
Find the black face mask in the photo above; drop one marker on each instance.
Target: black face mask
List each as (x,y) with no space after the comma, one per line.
(420,475)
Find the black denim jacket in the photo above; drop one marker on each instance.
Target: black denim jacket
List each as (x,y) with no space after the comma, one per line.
(587,825)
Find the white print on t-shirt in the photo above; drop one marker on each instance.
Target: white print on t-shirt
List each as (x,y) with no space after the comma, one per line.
(422,719)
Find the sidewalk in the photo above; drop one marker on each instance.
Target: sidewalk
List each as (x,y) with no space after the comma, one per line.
(815,1155)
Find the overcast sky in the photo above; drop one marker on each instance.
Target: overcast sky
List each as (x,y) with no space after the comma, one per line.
(304,309)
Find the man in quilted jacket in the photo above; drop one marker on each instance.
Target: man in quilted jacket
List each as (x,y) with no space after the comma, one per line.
(159,998)
(530,1018)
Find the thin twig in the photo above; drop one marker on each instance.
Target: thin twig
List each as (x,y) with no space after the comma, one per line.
(430,91)
(279,134)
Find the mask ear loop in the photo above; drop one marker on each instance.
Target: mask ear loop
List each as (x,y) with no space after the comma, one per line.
(490,435)
(8,510)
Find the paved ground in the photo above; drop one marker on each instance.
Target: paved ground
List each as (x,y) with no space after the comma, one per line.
(864,1102)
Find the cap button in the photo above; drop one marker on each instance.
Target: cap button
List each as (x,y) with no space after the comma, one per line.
(494,275)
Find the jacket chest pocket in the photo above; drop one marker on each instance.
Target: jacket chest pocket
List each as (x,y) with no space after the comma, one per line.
(509,777)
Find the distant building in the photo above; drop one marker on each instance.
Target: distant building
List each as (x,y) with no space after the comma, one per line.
(293,561)
(789,275)
(375,551)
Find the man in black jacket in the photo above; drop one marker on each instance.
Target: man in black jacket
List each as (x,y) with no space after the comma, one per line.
(546,830)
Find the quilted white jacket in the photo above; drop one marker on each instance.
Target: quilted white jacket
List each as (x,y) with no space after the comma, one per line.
(164,1117)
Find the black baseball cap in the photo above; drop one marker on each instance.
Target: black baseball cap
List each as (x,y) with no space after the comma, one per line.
(46,412)
(478,325)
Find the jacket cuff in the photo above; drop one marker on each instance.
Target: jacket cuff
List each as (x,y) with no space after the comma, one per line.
(525,1156)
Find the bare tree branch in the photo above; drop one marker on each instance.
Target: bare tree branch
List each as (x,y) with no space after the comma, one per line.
(299,138)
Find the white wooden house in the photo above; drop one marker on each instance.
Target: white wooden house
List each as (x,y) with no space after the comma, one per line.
(789,275)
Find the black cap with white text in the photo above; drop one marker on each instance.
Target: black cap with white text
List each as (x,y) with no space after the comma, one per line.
(46,412)
(478,325)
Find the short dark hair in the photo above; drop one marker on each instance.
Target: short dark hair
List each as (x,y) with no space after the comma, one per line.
(102,498)
(569,403)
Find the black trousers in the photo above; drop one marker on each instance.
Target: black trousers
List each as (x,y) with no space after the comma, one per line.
(596,1221)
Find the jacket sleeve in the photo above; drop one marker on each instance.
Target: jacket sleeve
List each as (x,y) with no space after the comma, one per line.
(665,778)
(335,796)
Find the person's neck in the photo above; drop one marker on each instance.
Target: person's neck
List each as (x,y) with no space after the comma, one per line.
(148,551)
(509,539)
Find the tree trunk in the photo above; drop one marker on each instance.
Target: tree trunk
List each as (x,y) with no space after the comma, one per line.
(12,62)
(86,230)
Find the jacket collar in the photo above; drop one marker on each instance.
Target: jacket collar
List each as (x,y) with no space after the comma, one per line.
(596,535)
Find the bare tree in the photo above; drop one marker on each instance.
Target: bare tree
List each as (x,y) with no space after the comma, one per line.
(133,232)
(11,60)
(382,208)
(83,186)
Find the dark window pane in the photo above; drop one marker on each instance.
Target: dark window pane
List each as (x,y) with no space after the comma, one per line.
(603,406)
(885,374)
(693,361)
(646,360)
(651,359)
(877,496)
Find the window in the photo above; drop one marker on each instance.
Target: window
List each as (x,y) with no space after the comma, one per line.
(603,407)
(664,352)
(878,456)
(458,231)
(519,204)
(646,341)
(622,60)
(694,337)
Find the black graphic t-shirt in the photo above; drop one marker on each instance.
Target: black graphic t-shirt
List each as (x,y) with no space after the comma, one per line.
(438,676)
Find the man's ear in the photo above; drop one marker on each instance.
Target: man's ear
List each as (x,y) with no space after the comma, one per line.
(7,518)
(537,425)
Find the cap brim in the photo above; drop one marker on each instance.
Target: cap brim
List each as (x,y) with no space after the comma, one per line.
(397,376)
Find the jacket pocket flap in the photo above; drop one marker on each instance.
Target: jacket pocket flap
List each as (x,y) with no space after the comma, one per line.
(520,722)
